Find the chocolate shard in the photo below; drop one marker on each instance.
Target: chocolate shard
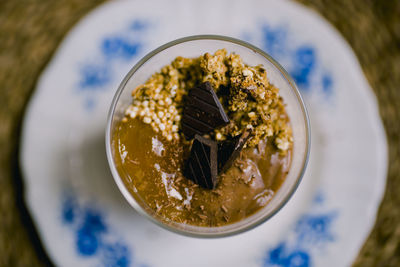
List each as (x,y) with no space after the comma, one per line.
(202,112)
(229,150)
(202,167)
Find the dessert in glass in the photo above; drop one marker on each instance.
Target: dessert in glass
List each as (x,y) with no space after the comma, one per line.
(207,136)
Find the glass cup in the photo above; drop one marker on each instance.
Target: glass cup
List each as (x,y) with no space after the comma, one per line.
(194,46)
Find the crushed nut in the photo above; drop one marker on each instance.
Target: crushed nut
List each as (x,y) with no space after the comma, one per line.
(250,100)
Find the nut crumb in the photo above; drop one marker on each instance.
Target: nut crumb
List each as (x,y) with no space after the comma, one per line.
(224,209)
(251,101)
(202,217)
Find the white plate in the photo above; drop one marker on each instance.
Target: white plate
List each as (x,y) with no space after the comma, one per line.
(81,216)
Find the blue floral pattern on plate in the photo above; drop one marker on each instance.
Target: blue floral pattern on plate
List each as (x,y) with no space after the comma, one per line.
(123,46)
(310,233)
(89,227)
(300,60)
(93,237)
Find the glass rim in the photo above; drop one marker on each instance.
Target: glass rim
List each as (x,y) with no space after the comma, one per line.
(122,187)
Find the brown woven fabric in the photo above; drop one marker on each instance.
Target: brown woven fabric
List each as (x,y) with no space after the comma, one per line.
(31,30)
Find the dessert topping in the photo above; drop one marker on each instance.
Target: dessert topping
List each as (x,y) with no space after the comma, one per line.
(229,150)
(201,167)
(202,112)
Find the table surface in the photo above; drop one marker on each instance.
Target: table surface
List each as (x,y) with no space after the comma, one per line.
(30,32)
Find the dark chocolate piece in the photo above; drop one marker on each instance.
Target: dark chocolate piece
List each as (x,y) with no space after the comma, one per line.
(201,167)
(202,112)
(229,150)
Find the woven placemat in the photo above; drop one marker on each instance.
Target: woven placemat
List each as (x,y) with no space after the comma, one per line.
(30,32)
